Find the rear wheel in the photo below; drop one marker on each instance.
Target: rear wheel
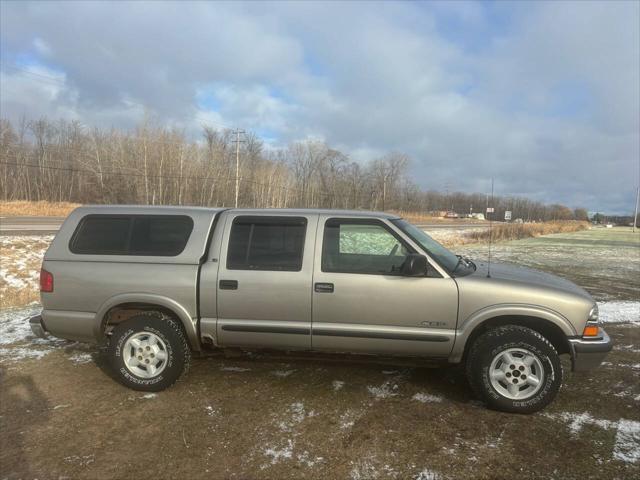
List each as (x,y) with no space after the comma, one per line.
(149,352)
(514,369)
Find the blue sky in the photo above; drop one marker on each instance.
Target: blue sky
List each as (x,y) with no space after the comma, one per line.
(544,96)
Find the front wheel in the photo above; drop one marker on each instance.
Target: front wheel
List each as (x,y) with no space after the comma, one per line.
(514,369)
(149,352)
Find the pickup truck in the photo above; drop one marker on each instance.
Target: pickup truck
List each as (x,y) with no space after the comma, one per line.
(155,285)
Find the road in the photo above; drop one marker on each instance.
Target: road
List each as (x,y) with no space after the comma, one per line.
(30,225)
(50,225)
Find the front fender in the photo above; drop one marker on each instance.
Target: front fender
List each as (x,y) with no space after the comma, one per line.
(468,325)
(189,323)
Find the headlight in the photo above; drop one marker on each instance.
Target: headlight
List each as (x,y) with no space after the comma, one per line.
(593,314)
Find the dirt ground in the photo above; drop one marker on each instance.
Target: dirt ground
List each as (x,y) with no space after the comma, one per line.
(253,417)
(264,417)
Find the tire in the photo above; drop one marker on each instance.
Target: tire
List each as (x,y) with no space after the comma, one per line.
(492,376)
(149,352)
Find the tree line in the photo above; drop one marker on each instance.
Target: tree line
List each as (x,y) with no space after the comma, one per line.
(66,161)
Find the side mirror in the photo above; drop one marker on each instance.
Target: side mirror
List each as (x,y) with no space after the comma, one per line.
(415,265)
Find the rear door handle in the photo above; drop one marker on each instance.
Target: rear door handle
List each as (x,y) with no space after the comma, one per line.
(228,284)
(323,287)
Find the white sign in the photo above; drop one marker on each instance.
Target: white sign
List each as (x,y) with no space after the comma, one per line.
(489,209)
(507,215)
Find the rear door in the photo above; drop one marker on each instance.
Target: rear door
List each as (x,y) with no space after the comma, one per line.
(264,280)
(361,303)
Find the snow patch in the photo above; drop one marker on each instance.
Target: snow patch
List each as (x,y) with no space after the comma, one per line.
(577,420)
(149,396)
(386,390)
(81,358)
(212,412)
(305,458)
(82,460)
(21,259)
(349,418)
(427,474)
(626,447)
(364,469)
(337,385)
(627,348)
(619,312)
(283,449)
(14,324)
(279,454)
(17,342)
(296,413)
(633,366)
(427,398)
(627,444)
(282,373)
(234,369)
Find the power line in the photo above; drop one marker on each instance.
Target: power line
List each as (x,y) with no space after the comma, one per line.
(185,144)
(40,76)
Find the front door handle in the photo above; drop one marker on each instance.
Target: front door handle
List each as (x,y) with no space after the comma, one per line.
(228,284)
(323,287)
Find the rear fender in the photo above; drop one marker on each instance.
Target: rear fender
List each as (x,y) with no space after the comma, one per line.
(189,323)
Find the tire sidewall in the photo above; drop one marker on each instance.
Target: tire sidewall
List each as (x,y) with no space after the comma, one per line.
(174,344)
(547,355)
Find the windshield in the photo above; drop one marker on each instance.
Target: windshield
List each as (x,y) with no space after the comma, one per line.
(443,256)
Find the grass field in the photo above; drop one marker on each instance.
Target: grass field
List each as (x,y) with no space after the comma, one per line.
(604,261)
(22,208)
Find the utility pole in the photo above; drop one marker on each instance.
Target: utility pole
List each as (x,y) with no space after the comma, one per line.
(238,132)
(384,190)
(635,215)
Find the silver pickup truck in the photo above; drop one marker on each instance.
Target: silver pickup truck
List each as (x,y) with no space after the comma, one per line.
(156,284)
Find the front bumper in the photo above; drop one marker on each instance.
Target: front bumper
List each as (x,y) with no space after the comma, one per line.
(37,327)
(589,353)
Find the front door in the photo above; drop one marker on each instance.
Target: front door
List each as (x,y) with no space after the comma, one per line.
(361,302)
(264,281)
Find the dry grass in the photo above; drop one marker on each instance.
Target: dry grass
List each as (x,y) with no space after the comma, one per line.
(416,217)
(18,298)
(515,231)
(419,217)
(23,208)
(21,258)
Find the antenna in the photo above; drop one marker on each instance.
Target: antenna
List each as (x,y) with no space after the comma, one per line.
(490,210)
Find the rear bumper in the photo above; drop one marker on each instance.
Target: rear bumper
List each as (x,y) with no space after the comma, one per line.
(588,354)
(37,327)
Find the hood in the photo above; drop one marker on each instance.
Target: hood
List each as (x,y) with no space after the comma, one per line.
(529,276)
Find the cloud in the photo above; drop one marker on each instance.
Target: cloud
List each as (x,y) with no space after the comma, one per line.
(544,96)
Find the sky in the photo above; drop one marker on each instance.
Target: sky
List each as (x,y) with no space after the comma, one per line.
(542,96)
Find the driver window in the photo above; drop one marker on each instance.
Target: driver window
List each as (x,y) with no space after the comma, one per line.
(356,246)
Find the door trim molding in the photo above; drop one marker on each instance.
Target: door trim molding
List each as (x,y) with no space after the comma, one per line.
(266,329)
(376,332)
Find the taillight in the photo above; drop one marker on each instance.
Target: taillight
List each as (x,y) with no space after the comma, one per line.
(46,281)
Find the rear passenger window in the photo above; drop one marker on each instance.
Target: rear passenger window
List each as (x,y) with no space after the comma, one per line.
(161,236)
(266,243)
(150,235)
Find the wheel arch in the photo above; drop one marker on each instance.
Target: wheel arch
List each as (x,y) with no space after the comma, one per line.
(549,324)
(121,307)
